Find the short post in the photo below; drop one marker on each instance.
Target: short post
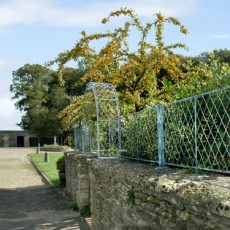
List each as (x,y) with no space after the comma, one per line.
(160,134)
(38,148)
(46,157)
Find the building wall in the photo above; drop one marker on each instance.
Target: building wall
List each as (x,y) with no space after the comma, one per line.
(20,138)
(16,138)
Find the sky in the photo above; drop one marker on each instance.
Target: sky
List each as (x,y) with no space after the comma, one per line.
(36,31)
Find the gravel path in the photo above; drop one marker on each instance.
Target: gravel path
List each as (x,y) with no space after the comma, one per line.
(16,170)
(26,201)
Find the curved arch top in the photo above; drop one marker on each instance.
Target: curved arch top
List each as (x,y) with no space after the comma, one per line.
(101,104)
(106,100)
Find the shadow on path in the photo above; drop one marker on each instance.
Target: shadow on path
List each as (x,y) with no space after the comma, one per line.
(26,201)
(38,207)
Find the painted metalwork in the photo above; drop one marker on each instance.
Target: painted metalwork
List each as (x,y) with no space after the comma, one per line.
(100,121)
(197,131)
(139,136)
(190,133)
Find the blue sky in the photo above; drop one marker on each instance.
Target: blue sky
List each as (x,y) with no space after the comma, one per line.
(36,31)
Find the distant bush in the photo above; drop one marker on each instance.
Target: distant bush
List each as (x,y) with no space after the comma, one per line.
(55,148)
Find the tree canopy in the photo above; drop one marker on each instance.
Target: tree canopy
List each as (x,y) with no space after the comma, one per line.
(143,76)
(39,95)
(222,55)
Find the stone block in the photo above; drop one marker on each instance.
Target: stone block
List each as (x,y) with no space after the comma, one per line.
(163,199)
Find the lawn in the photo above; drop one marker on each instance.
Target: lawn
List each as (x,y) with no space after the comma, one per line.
(48,168)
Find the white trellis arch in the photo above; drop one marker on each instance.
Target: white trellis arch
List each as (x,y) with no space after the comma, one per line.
(101,117)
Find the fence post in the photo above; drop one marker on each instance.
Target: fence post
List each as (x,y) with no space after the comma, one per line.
(119,135)
(160,134)
(90,139)
(75,138)
(195,130)
(110,137)
(83,140)
(136,134)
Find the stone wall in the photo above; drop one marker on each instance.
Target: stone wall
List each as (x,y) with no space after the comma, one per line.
(77,177)
(157,199)
(129,195)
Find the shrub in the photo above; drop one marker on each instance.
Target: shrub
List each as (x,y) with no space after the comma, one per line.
(73,206)
(61,164)
(85,212)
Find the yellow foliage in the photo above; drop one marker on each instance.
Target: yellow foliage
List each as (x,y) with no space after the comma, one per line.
(138,75)
(183,30)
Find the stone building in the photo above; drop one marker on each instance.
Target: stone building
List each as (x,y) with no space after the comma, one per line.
(17,138)
(21,138)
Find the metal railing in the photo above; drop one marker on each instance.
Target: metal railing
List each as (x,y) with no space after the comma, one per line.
(84,139)
(197,131)
(191,133)
(139,136)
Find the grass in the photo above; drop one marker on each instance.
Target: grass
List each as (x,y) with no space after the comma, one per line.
(48,168)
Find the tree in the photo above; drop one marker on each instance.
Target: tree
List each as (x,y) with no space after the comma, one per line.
(141,77)
(73,84)
(200,74)
(40,97)
(30,86)
(221,55)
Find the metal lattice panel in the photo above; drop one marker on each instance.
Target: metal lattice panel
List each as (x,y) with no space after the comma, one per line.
(100,106)
(179,133)
(213,130)
(197,131)
(84,138)
(139,136)
(192,132)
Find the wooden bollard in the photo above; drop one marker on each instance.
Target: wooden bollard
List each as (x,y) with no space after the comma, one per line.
(38,148)
(46,157)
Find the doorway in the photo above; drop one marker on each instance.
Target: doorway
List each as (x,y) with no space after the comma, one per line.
(20,141)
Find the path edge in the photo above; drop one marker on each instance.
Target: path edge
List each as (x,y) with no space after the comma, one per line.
(47,180)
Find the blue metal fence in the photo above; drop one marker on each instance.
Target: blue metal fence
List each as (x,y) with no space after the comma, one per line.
(191,133)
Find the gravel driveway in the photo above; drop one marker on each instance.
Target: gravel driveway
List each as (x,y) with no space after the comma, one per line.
(26,201)
(16,170)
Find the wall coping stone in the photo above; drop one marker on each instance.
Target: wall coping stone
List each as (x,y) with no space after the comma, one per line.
(80,154)
(201,193)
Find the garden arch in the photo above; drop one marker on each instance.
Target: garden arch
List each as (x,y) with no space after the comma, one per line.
(101,117)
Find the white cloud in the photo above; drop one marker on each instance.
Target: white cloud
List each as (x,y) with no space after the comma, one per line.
(4,65)
(221,36)
(7,66)
(213,37)
(5,30)
(174,8)
(9,116)
(48,12)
